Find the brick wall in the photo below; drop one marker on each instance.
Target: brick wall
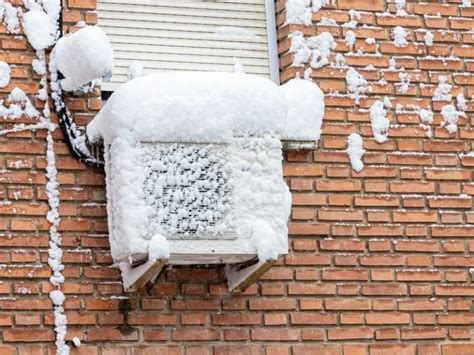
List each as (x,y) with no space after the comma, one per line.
(378,264)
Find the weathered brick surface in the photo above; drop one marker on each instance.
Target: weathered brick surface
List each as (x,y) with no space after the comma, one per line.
(380,261)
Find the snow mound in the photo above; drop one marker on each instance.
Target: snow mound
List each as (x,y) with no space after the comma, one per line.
(380,122)
(84,56)
(158,248)
(39,29)
(356,151)
(305,109)
(209,107)
(450,118)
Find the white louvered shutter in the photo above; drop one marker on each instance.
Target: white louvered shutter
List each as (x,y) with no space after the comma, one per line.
(198,35)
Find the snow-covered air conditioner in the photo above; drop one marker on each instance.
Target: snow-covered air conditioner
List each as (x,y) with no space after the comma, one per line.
(194,173)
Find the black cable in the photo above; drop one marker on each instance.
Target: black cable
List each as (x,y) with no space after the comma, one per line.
(66,122)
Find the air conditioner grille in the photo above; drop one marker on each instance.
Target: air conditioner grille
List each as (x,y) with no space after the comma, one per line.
(187,189)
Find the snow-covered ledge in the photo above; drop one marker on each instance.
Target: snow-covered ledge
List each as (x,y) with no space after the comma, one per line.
(194,173)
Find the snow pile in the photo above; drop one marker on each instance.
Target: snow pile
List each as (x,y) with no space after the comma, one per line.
(450,118)
(356,151)
(39,29)
(429,38)
(443,91)
(17,105)
(206,107)
(400,7)
(356,85)
(400,37)
(84,56)
(298,12)
(318,48)
(350,39)
(299,48)
(135,70)
(380,122)
(465,3)
(10,16)
(305,102)
(321,46)
(4,74)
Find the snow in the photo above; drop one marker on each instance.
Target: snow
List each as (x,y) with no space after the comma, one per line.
(380,122)
(465,3)
(17,105)
(10,16)
(317,4)
(299,48)
(321,46)
(205,107)
(405,82)
(442,92)
(354,16)
(135,70)
(39,66)
(462,103)
(52,8)
(263,239)
(76,341)
(350,39)
(298,12)
(236,33)
(39,29)
(318,48)
(392,64)
(4,74)
(400,7)
(57,297)
(340,61)
(158,248)
(356,151)
(370,40)
(429,38)
(426,115)
(305,102)
(450,118)
(325,21)
(356,85)
(84,56)
(400,37)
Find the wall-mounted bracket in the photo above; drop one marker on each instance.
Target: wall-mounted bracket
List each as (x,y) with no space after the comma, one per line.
(135,278)
(240,277)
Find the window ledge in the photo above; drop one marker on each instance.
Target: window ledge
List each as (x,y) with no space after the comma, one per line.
(299,145)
